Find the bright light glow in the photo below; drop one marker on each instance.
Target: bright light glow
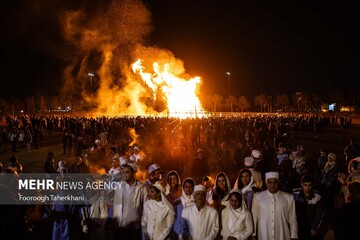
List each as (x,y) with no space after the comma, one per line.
(228,73)
(179,93)
(91,74)
(332,107)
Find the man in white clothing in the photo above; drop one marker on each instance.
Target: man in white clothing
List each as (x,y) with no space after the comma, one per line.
(274,212)
(199,221)
(128,205)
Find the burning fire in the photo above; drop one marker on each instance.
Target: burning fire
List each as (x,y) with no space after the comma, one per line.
(179,94)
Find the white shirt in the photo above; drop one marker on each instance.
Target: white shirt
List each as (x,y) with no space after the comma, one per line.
(274,216)
(129,206)
(201,225)
(128,203)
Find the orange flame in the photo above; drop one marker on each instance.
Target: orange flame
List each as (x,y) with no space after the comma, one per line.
(179,93)
(133,136)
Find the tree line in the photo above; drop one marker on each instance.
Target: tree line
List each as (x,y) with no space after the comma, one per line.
(297,102)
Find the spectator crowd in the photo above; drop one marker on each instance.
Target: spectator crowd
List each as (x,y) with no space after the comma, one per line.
(213,178)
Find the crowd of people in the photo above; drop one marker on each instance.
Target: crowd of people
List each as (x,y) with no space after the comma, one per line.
(213,178)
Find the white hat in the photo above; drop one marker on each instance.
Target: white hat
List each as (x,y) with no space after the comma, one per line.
(136,148)
(199,150)
(132,158)
(123,161)
(159,186)
(249,161)
(199,188)
(332,156)
(153,167)
(271,175)
(256,154)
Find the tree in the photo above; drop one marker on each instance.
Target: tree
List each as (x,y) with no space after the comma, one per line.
(216,100)
(313,102)
(243,103)
(54,103)
(268,104)
(5,108)
(30,105)
(230,102)
(42,105)
(282,102)
(261,101)
(16,104)
(297,100)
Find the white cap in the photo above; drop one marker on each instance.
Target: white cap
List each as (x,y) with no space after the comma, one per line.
(249,161)
(153,167)
(159,186)
(199,150)
(199,188)
(132,158)
(123,161)
(256,154)
(271,175)
(136,148)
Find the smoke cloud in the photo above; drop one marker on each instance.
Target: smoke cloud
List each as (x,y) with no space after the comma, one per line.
(102,43)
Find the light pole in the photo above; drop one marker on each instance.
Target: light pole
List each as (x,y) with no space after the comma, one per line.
(229,78)
(91,75)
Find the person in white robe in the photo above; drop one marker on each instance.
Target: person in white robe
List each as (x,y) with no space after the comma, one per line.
(274,212)
(158,215)
(236,220)
(199,221)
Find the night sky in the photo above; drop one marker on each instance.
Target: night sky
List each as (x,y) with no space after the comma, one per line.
(269,48)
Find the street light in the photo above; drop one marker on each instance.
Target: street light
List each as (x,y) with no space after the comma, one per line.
(91,75)
(229,77)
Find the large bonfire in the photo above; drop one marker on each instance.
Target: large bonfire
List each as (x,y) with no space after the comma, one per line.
(178,93)
(111,72)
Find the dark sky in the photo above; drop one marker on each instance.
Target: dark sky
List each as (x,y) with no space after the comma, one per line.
(269,48)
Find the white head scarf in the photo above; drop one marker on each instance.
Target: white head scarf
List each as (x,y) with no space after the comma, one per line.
(233,214)
(164,200)
(167,189)
(211,191)
(187,200)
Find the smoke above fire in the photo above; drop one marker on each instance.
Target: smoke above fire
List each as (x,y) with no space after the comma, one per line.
(99,73)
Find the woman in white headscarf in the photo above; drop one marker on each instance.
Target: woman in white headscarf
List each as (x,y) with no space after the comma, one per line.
(236,219)
(173,188)
(245,183)
(217,196)
(186,199)
(158,214)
